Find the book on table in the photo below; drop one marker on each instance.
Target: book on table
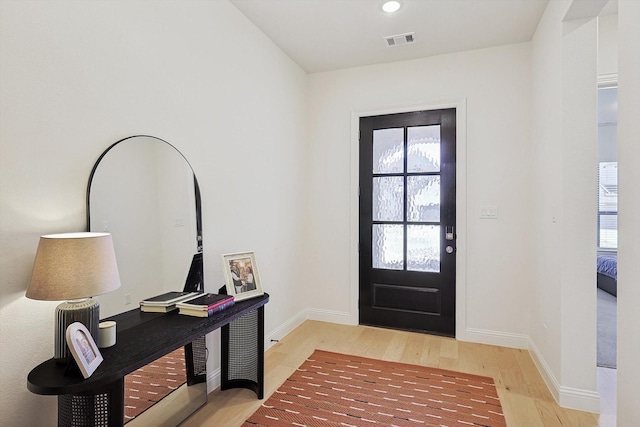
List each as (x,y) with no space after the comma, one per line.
(157,308)
(205,305)
(166,302)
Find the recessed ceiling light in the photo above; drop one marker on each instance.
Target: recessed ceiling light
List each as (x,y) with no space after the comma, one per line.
(391,6)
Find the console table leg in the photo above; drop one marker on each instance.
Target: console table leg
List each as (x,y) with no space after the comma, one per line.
(243,353)
(116,404)
(104,408)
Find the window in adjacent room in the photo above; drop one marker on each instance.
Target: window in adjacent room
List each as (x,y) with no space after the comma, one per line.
(607,168)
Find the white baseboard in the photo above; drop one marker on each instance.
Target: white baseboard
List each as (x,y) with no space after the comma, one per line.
(547,375)
(502,339)
(284,329)
(582,400)
(331,316)
(214,380)
(567,397)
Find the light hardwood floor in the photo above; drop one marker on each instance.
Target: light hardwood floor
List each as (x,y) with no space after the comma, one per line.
(525,399)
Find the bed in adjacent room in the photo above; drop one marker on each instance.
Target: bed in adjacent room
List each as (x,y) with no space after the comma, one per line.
(608,274)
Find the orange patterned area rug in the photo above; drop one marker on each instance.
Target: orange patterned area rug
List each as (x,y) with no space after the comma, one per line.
(153,382)
(332,389)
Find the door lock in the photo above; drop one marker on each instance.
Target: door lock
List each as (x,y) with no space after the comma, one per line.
(449,234)
(450,249)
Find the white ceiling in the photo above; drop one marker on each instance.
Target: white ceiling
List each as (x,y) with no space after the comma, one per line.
(323,35)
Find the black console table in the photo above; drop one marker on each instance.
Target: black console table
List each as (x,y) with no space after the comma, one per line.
(145,337)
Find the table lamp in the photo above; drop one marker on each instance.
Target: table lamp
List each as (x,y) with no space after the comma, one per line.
(74,267)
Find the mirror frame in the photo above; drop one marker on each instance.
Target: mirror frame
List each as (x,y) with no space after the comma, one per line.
(127,147)
(195,186)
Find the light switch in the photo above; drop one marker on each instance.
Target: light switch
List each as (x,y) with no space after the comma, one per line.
(489,212)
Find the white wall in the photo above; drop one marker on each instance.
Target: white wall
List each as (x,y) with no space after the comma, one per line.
(608,45)
(564,148)
(629,193)
(78,76)
(496,85)
(578,248)
(544,307)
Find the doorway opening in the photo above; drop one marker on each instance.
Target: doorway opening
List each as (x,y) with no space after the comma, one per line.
(607,235)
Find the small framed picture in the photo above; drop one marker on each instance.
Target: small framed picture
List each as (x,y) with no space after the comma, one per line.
(83,348)
(241,275)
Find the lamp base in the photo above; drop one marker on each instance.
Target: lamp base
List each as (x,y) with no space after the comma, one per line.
(85,311)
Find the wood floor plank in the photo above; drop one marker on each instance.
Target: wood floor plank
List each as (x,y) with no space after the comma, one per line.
(395,347)
(520,410)
(525,399)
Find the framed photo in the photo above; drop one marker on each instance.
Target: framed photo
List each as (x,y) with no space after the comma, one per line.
(83,348)
(241,275)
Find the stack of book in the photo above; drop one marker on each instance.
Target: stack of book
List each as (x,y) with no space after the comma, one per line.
(205,305)
(166,302)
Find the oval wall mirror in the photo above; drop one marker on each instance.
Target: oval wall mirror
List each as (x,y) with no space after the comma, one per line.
(144,192)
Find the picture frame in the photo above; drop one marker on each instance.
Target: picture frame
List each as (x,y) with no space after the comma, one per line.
(83,348)
(241,275)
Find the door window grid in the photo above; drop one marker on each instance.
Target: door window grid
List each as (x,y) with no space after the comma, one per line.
(406,199)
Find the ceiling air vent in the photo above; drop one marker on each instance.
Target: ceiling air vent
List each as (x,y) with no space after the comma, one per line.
(400,39)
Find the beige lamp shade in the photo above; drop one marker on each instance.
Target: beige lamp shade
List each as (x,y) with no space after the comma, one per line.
(73,266)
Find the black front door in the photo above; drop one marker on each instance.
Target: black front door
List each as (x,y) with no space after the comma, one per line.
(407,221)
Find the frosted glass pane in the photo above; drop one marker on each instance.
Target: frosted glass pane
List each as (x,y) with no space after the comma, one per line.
(388,150)
(423,198)
(388,246)
(388,198)
(423,149)
(423,248)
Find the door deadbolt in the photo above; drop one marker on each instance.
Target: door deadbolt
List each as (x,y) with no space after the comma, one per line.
(449,249)
(449,233)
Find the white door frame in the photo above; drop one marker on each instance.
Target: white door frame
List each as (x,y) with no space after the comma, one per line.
(461,202)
